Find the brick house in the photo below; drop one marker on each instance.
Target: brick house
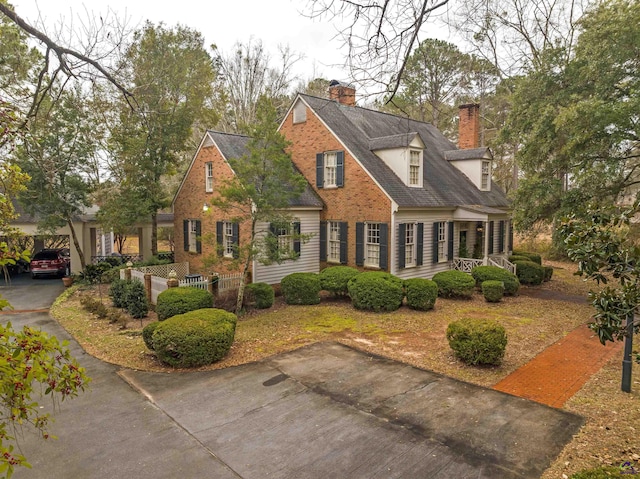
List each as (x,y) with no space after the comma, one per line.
(385,192)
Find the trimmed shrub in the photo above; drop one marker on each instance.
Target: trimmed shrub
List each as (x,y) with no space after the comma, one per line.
(336,278)
(493,290)
(421,293)
(117,292)
(376,291)
(147,333)
(535,257)
(260,295)
(174,301)
(529,272)
(454,284)
(477,341)
(136,299)
(93,272)
(194,339)
(548,273)
(515,257)
(486,273)
(301,288)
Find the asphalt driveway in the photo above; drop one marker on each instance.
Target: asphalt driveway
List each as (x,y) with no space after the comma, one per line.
(322,411)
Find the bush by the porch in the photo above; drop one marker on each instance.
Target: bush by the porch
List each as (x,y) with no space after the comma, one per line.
(335,279)
(196,338)
(548,273)
(535,257)
(529,272)
(175,301)
(376,291)
(493,290)
(259,295)
(301,288)
(421,293)
(454,284)
(477,341)
(486,273)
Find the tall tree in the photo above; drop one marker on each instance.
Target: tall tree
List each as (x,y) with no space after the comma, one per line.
(171,75)
(264,183)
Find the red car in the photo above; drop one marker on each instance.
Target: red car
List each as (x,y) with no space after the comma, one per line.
(50,262)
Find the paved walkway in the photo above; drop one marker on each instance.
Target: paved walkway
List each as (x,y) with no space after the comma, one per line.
(559,371)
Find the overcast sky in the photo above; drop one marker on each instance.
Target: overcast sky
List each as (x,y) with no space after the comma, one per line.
(274,22)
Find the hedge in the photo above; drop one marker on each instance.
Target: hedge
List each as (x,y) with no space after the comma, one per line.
(421,293)
(493,290)
(181,300)
(477,341)
(376,291)
(147,333)
(529,272)
(336,278)
(548,273)
(486,273)
(454,284)
(301,288)
(259,295)
(535,257)
(196,338)
(515,257)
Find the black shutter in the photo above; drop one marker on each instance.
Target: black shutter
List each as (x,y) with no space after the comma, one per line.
(198,236)
(359,244)
(235,231)
(420,245)
(319,170)
(434,242)
(185,232)
(510,236)
(219,238)
(272,245)
(402,245)
(323,241)
(501,237)
(340,168)
(450,241)
(384,246)
(296,238)
(344,229)
(491,228)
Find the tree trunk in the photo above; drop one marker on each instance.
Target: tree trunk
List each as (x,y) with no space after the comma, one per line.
(154,233)
(76,243)
(243,281)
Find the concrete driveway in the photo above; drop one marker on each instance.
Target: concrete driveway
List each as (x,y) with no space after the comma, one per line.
(324,411)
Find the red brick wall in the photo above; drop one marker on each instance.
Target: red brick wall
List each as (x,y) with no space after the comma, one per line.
(469,126)
(359,200)
(188,205)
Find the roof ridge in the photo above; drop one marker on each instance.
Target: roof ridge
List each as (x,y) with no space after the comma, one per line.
(228,134)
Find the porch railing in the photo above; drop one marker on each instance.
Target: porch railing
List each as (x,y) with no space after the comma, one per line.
(503,263)
(466,264)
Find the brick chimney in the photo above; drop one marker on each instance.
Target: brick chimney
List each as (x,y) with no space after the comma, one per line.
(469,126)
(342,93)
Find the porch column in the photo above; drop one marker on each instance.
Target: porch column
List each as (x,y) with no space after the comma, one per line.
(485,253)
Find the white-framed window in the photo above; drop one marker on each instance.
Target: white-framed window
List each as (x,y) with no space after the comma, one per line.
(208,174)
(486,175)
(330,169)
(442,241)
(410,245)
(285,239)
(334,241)
(372,244)
(227,239)
(415,161)
(193,236)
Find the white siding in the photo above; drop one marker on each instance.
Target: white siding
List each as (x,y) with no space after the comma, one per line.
(309,260)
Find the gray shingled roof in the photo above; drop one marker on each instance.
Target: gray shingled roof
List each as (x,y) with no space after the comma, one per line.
(402,140)
(468,154)
(444,185)
(235,146)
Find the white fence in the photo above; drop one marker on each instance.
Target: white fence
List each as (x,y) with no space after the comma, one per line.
(466,264)
(503,263)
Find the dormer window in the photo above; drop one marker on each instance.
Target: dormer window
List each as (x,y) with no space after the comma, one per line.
(486,176)
(415,164)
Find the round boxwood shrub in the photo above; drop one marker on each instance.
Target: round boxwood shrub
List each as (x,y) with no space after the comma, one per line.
(454,284)
(301,288)
(486,273)
(260,295)
(548,273)
(535,257)
(516,257)
(196,338)
(529,272)
(421,293)
(147,333)
(336,278)
(477,341)
(493,290)
(376,291)
(135,299)
(174,301)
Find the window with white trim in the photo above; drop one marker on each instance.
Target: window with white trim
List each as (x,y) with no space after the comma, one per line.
(334,241)
(330,169)
(486,172)
(372,244)
(208,175)
(442,241)
(227,239)
(193,236)
(285,239)
(414,167)
(410,245)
